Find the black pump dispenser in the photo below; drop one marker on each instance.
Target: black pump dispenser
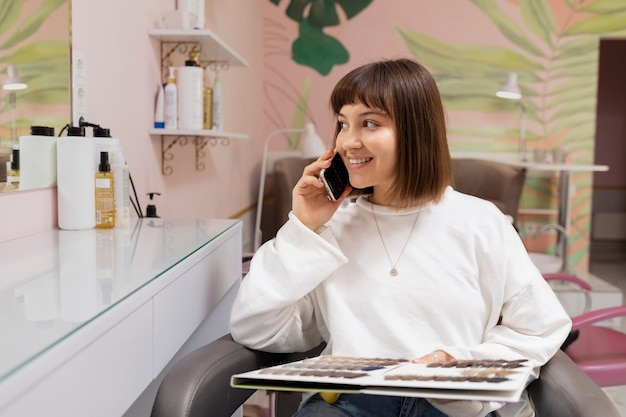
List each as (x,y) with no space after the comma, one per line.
(15,158)
(75,131)
(101,132)
(151,210)
(41,131)
(104,162)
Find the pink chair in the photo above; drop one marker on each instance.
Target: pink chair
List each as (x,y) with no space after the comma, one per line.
(600,351)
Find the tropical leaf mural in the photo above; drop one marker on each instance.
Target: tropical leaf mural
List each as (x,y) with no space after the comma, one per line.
(313,47)
(552,45)
(42,62)
(556,61)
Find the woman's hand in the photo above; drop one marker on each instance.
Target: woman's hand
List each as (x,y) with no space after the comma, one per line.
(434,357)
(310,204)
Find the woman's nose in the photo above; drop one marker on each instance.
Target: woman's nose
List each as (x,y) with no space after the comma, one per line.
(350,139)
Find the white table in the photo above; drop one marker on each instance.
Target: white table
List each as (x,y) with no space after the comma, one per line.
(563,169)
(90,320)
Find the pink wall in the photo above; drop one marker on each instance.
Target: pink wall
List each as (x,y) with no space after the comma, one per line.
(122,67)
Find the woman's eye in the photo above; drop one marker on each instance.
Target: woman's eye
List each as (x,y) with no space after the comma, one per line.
(343,125)
(369,123)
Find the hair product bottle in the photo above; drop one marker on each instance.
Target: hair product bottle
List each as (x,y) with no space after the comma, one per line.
(13,169)
(159,108)
(105,194)
(171,102)
(218,104)
(190,92)
(76,168)
(208,108)
(38,162)
(197,7)
(105,143)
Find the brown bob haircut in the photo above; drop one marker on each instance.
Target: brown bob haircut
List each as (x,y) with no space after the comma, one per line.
(407,92)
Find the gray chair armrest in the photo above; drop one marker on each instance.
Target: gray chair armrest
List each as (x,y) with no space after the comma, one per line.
(563,390)
(198,385)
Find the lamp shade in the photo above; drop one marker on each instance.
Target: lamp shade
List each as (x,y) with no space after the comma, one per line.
(510,90)
(311,145)
(13,81)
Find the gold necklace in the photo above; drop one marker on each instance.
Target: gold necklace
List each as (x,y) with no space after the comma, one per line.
(393,271)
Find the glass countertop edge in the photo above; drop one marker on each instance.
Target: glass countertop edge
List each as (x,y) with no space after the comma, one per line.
(15,369)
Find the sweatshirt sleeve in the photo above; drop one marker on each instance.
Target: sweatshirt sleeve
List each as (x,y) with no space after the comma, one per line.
(529,320)
(275,309)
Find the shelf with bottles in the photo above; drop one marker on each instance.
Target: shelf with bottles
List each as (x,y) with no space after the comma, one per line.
(200,139)
(215,55)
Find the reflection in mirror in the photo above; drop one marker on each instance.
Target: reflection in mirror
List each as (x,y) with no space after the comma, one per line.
(35,41)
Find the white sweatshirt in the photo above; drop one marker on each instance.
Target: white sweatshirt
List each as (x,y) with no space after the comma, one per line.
(465,285)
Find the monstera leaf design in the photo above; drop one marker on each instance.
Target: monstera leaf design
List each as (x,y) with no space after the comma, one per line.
(556,64)
(313,47)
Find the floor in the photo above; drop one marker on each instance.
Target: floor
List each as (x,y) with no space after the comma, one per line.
(608,262)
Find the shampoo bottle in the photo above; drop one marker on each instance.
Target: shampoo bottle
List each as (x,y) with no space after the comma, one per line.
(105,194)
(190,96)
(38,162)
(171,102)
(76,168)
(218,104)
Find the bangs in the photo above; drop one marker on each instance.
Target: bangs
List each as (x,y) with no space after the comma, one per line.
(368,86)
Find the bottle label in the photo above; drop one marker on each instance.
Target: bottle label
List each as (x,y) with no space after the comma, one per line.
(103,183)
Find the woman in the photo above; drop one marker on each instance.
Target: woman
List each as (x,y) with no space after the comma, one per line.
(411,269)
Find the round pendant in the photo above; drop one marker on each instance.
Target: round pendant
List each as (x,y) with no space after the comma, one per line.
(393,271)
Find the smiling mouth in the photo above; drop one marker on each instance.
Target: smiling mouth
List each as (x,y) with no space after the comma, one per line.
(353,161)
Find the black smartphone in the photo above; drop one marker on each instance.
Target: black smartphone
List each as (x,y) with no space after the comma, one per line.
(335,177)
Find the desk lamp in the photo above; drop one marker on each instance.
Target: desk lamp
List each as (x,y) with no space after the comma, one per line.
(12,84)
(511,91)
(310,146)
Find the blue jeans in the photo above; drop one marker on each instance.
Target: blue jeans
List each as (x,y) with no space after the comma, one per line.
(361,405)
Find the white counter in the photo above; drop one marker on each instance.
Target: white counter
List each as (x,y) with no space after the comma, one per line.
(90,319)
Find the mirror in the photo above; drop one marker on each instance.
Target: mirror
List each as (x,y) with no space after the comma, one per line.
(35,38)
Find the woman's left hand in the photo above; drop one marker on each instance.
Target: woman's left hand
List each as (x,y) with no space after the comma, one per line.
(434,357)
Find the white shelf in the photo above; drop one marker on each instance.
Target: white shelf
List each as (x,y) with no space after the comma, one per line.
(214,53)
(200,139)
(199,133)
(213,48)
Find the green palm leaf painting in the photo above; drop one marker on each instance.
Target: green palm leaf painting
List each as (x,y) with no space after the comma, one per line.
(557,69)
(42,63)
(313,47)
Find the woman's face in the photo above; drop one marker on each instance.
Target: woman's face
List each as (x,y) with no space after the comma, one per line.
(367,142)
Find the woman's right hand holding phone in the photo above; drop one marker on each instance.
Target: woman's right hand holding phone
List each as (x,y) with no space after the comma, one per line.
(310,203)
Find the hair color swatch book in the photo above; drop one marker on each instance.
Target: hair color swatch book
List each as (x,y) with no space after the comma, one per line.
(485,380)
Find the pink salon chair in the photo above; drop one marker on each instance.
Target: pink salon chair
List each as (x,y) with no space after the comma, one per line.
(600,351)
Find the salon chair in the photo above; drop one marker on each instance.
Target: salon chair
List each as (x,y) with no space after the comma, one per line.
(499,183)
(600,351)
(198,385)
(287,172)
